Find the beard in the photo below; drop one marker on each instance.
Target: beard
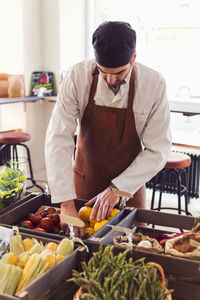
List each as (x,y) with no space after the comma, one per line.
(116,86)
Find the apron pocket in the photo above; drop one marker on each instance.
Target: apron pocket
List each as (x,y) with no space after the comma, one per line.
(79,173)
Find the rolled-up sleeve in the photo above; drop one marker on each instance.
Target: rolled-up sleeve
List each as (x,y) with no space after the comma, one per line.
(156,139)
(59,143)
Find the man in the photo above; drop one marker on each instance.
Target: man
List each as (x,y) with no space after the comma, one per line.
(124,137)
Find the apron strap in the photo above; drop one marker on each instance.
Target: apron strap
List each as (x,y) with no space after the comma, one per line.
(129,112)
(93,88)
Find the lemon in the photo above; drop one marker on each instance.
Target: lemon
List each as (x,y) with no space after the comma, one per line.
(84,213)
(98,225)
(114,212)
(92,221)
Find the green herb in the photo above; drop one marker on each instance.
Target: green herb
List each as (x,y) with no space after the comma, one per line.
(7,186)
(109,277)
(12,171)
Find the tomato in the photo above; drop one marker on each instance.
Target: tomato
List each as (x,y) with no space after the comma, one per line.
(26,224)
(51,210)
(57,212)
(34,218)
(47,224)
(56,229)
(55,218)
(43,213)
(39,229)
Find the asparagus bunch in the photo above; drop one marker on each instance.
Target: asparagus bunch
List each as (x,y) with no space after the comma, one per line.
(110,277)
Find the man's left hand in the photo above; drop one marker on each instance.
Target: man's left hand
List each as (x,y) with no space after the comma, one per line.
(103,204)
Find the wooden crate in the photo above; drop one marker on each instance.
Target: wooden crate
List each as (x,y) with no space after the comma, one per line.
(18,214)
(166,220)
(18,202)
(66,290)
(49,281)
(183,274)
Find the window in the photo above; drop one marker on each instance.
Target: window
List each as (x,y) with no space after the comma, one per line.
(168,38)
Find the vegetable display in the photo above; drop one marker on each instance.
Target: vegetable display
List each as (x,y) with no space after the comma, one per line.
(106,276)
(92,226)
(12,183)
(12,172)
(29,259)
(45,220)
(9,192)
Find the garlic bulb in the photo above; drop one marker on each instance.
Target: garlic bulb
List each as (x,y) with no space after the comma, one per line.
(145,244)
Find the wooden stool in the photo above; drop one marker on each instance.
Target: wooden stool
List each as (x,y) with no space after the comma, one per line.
(9,141)
(176,164)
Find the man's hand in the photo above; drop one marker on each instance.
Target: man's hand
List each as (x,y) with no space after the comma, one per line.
(103,204)
(68,208)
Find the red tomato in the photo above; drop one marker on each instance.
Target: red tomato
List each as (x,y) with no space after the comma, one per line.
(51,210)
(39,229)
(55,218)
(57,212)
(47,224)
(43,213)
(56,229)
(26,224)
(34,218)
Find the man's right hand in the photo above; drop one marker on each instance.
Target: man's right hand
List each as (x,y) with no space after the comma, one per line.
(68,208)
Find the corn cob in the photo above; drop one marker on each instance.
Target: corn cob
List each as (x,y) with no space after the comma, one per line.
(10,258)
(49,258)
(59,258)
(65,247)
(28,244)
(42,266)
(37,248)
(16,245)
(14,277)
(34,267)
(23,259)
(28,271)
(9,278)
(51,246)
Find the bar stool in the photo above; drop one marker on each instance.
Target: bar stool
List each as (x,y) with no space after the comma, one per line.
(175,166)
(9,142)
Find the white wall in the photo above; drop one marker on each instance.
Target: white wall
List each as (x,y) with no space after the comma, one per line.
(72,32)
(32,39)
(11,37)
(50,43)
(37,35)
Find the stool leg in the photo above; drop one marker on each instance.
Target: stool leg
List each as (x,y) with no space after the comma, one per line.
(179,189)
(5,153)
(15,155)
(186,192)
(153,192)
(30,168)
(161,189)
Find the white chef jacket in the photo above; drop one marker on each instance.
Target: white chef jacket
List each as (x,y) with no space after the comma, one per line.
(152,119)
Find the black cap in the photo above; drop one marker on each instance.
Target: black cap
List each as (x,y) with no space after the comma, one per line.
(114,44)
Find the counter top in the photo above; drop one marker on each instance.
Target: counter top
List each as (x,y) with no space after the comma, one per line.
(15,100)
(190,106)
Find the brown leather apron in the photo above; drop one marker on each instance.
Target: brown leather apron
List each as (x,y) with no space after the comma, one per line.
(107,144)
